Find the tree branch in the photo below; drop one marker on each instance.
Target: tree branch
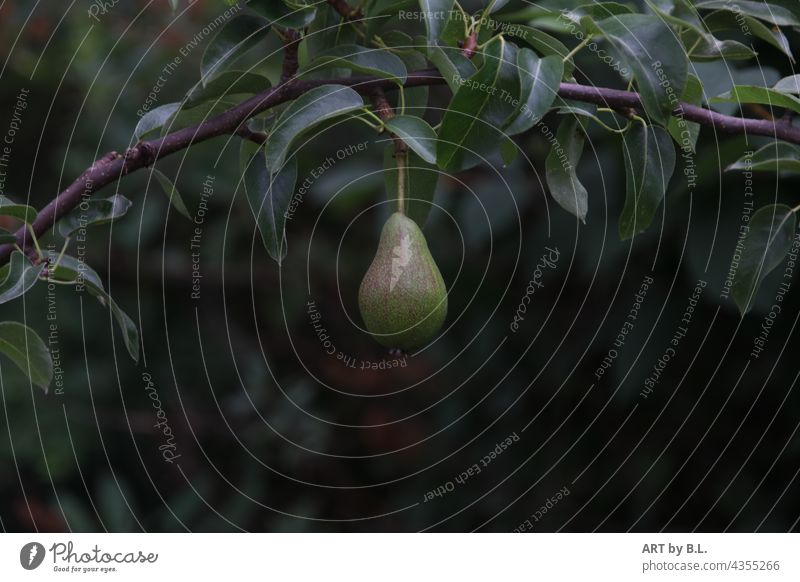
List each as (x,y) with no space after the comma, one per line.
(112,166)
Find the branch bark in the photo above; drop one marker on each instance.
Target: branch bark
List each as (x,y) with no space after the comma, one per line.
(113,166)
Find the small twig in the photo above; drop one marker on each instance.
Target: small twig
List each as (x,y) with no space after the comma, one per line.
(470,45)
(290,60)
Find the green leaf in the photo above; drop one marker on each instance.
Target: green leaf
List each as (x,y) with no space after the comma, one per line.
(723,20)
(495,5)
(685,133)
(539,82)
(481,105)
(561,166)
(761,95)
(6,237)
(305,112)
(644,41)
(154,119)
(768,240)
(23,212)
(434,13)
(790,84)
(172,193)
(376,62)
(27,350)
(452,65)
(238,36)
(227,83)
(707,47)
(416,133)
(18,276)
(93,212)
(779,12)
(269,196)
(455,29)
(297,16)
(72,270)
(421,181)
(543,43)
(649,162)
(775,157)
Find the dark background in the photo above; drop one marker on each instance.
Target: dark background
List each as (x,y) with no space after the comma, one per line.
(276,435)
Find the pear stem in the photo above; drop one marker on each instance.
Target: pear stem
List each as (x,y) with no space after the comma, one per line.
(402,159)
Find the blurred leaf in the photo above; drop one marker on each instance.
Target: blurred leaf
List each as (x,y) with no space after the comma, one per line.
(27,351)
(561,166)
(649,155)
(93,212)
(378,62)
(539,83)
(269,195)
(775,157)
(26,214)
(416,133)
(421,181)
(768,240)
(305,112)
(470,126)
(18,276)
(238,36)
(172,193)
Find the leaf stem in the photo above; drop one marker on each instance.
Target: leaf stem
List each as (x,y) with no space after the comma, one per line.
(35,241)
(582,45)
(402,158)
(61,254)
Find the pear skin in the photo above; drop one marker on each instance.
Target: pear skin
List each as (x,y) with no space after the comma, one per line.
(403,298)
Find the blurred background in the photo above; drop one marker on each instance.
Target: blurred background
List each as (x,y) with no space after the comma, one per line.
(271,432)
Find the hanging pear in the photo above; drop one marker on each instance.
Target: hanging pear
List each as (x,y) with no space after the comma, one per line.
(403,298)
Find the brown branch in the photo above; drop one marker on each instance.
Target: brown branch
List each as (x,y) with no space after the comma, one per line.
(113,166)
(470,45)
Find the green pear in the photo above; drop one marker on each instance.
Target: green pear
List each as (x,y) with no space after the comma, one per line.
(403,298)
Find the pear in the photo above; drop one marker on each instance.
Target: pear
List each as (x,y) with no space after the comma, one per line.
(403,298)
